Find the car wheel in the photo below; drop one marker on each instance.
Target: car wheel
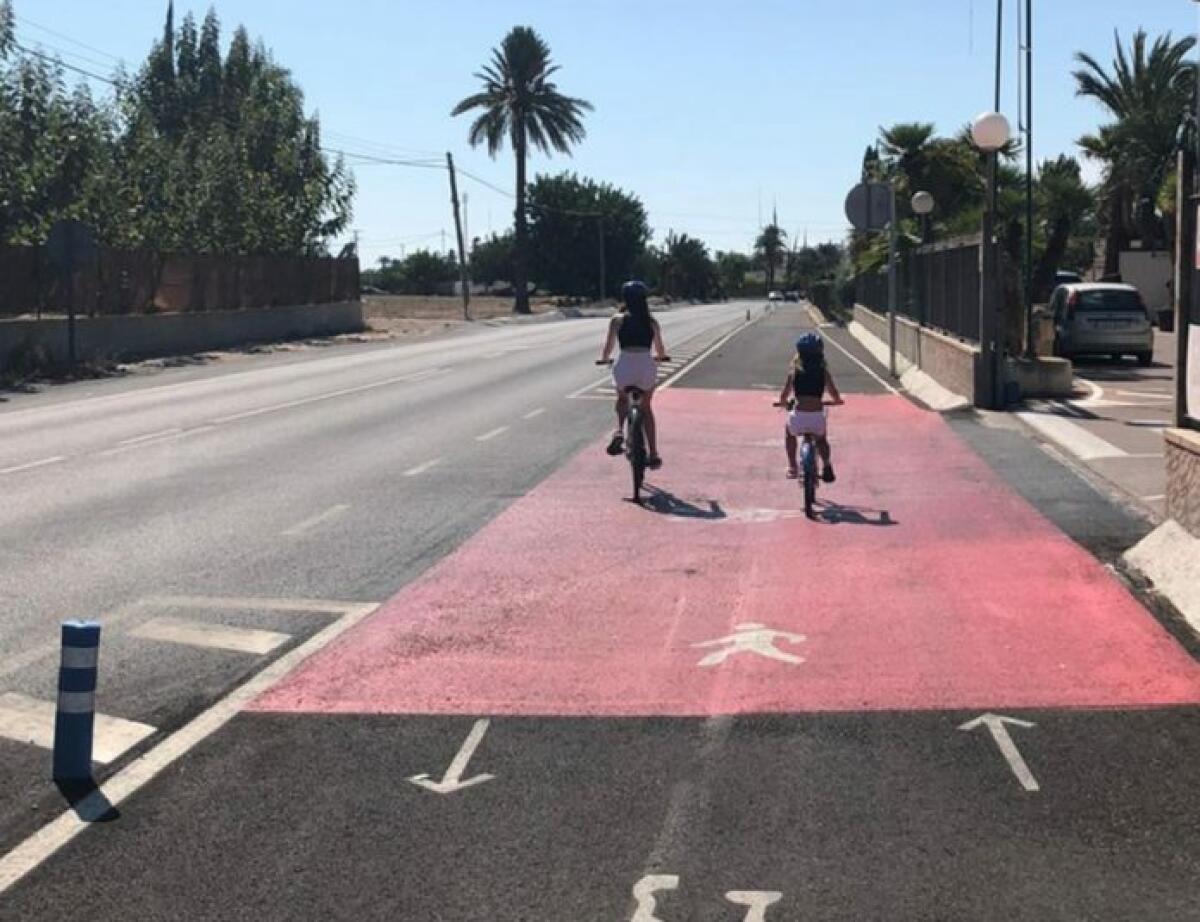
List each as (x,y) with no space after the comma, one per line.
(1145,359)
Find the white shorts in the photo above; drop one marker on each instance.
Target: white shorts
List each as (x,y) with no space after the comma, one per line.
(802,422)
(635,369)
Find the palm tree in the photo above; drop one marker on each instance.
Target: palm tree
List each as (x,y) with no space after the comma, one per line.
(769,249)
(520,102)
(1149,93)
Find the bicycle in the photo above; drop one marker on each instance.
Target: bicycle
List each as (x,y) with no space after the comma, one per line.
(808,460)
(636,450)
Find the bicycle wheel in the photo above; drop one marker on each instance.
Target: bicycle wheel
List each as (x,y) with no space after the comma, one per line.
(808,463)
(635,441)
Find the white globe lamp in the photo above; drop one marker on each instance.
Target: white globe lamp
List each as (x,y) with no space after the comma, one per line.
(990,132)
(922,203)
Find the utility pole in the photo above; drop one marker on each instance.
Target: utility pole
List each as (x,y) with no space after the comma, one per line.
(600,235)
(464,279)
(1029,346)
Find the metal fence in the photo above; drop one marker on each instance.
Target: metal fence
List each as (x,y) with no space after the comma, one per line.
(938,287)
(123,282)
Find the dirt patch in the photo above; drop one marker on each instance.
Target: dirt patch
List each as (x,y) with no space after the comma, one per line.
(416,307)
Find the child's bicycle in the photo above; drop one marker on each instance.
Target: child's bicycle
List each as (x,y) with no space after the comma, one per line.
(808,460)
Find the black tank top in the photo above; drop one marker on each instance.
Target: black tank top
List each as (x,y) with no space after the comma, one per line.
(810,381)
(635,332)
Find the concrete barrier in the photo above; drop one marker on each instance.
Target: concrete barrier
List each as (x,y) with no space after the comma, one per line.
(138,336)
(948,361)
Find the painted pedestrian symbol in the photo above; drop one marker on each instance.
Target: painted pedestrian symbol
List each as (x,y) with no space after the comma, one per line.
(751,637)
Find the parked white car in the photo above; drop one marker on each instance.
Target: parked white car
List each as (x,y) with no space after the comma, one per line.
(1101,318)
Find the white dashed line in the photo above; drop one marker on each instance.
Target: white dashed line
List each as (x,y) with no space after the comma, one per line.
(153,435)
(31,720)
(210,635)
(169,435)
(312,522)
(487,436)
(534,413)
(1155,498)
(400,379)
(422,468)
(33,464)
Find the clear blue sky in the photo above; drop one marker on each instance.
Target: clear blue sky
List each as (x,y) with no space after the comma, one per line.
(702,108)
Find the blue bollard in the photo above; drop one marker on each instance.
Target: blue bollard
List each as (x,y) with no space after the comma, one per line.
(74,722)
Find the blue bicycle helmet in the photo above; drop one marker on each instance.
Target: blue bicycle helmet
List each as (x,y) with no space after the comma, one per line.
(810,344)
(633,290)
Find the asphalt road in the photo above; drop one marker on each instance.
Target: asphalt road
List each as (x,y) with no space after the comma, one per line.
(962,714)
(1115,426)
(202,514)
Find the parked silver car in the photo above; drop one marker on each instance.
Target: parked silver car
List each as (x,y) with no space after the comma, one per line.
(1101,318)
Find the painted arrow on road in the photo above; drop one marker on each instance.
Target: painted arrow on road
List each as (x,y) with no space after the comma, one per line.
(452,780)
(996,726)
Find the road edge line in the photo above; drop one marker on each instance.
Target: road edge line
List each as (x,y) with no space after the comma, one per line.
(41,845)
(696,360)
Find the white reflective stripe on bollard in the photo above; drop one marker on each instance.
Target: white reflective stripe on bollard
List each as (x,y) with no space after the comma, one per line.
(76,702)
(80,657)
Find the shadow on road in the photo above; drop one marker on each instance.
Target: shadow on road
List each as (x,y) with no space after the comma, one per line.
(831,513)
(88,801)
(664,503)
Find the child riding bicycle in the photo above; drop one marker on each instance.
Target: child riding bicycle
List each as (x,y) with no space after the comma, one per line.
(807,382)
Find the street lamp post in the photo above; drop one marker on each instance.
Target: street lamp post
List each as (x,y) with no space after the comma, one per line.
(990,132)
(922,205)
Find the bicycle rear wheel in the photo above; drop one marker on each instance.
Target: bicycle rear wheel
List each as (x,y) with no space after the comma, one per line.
(635,441)
(808,464)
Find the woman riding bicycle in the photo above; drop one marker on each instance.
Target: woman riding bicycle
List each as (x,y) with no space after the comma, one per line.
(808,380)
(636,331)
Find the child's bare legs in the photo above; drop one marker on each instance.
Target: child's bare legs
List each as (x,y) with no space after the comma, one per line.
(789,445)
(826,459)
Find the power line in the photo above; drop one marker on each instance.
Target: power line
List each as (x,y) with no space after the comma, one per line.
(93,62)
(484,182)
(61,63)
(384,149)
(426,163)
(67,38)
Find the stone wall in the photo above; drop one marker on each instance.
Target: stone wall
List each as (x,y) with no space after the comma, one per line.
(1183,478)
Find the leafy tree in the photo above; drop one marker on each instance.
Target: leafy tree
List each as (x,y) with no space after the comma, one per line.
(688,271)
(732,269)
(491,259)
(420,273)
(769,251)
(1150,94)
(1063,203)
(520,102)
(567,215)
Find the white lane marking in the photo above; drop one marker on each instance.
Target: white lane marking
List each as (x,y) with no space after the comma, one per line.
(643,892)
(452,780)
(1155,498)
(488,436)
(317,398)
(319,519)
(534,413)
(1071,436)
(212,636)
(1147,395)
(583,391)
(234,603)
(50,838)
(1095,392)
(171,436)
(995,724)
(697,359)
(758,901)
(861,364)
(31,720)
(33,464)
(422,468)
(150,436)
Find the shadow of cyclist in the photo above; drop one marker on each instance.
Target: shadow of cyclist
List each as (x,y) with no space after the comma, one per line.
(831,513)
(665,503)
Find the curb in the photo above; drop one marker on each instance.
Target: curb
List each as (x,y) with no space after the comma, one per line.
(916,383)
(1169,558)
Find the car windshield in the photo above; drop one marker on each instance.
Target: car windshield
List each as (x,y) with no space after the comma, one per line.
(1109,301)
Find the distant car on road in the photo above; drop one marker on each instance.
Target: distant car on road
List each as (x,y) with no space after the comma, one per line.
(1101,318)
(775,296)
(791,296)
(370,290)
(1066,277)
